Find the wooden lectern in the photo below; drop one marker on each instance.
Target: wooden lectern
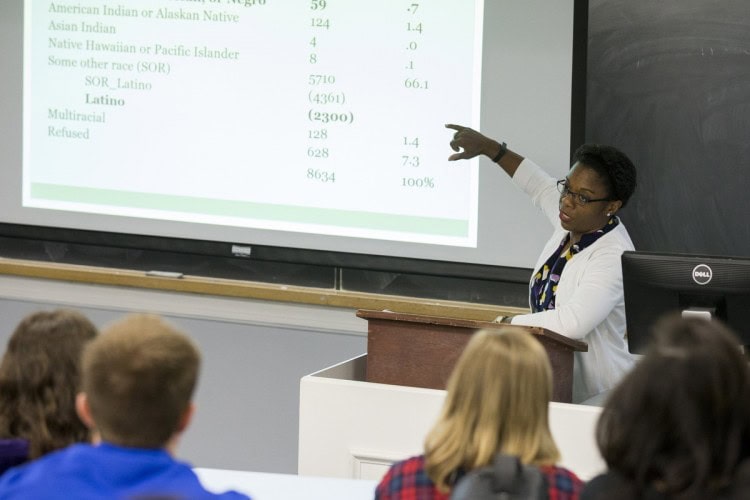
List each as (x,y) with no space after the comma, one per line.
(420,351)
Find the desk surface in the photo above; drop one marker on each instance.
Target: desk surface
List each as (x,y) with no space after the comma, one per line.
(268,486)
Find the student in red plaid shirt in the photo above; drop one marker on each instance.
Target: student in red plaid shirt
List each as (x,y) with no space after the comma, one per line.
(497,402)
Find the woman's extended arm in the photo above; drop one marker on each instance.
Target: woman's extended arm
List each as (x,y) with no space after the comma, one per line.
(474,144)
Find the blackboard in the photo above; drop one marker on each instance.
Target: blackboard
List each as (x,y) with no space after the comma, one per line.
(669,84)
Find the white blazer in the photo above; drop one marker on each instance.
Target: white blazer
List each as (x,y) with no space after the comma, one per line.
(589,303)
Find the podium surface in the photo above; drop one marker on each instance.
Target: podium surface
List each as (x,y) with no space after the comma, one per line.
(420,351)
(351,428)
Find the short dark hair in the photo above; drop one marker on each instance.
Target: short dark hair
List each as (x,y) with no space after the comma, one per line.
(139,376)
(681,418)
(39,379)
(612,165)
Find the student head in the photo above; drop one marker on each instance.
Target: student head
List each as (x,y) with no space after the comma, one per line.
(680,421)
(138,379)
(497,401)
(39,379)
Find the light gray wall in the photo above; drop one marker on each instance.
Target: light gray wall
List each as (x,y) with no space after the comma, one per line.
(248,397)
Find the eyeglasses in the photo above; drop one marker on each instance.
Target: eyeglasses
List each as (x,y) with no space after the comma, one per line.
(578,198)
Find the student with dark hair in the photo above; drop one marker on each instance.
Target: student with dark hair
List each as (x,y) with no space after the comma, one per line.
(497,401)
(138,379)
(39,379)
(678,426)
(576,287)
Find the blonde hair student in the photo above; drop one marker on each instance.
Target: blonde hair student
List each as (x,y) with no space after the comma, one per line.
(497,402)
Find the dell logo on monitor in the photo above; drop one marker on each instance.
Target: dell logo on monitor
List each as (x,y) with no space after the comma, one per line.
(702,274)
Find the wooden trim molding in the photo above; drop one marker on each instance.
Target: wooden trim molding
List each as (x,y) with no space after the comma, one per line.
(252,290)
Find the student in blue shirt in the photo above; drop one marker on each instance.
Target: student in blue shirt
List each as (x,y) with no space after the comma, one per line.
(138,379)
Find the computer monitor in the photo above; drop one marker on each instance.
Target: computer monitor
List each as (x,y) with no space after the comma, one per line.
(659,283)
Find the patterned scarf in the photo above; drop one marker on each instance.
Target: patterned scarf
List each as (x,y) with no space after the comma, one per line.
(544,284)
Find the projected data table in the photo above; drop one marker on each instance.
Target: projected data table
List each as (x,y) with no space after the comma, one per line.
(320,116)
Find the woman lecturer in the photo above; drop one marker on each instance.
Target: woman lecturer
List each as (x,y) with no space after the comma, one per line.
(576,287)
